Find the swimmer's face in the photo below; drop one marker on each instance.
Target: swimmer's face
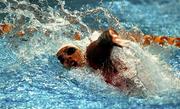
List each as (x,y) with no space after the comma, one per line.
(71,56)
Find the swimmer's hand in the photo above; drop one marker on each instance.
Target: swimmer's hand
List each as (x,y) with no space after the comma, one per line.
(116,39)
(122,43)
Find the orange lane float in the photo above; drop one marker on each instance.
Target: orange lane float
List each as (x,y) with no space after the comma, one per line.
(77,36)
(20,33)
(177,42)
(161,40)
(171,40)
(5,28)
(147,40)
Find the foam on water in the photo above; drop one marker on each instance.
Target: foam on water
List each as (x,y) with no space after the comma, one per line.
(155,74)
(32,77)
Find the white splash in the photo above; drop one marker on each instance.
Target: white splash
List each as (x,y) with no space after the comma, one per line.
(155,74)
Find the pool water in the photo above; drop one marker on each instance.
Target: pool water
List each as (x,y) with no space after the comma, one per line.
(31,77)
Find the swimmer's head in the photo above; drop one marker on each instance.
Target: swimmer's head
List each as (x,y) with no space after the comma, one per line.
(70,56)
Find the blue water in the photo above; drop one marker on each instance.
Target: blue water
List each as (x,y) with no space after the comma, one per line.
(31,77)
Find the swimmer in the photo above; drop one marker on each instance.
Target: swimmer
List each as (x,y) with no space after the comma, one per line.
(97,56)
